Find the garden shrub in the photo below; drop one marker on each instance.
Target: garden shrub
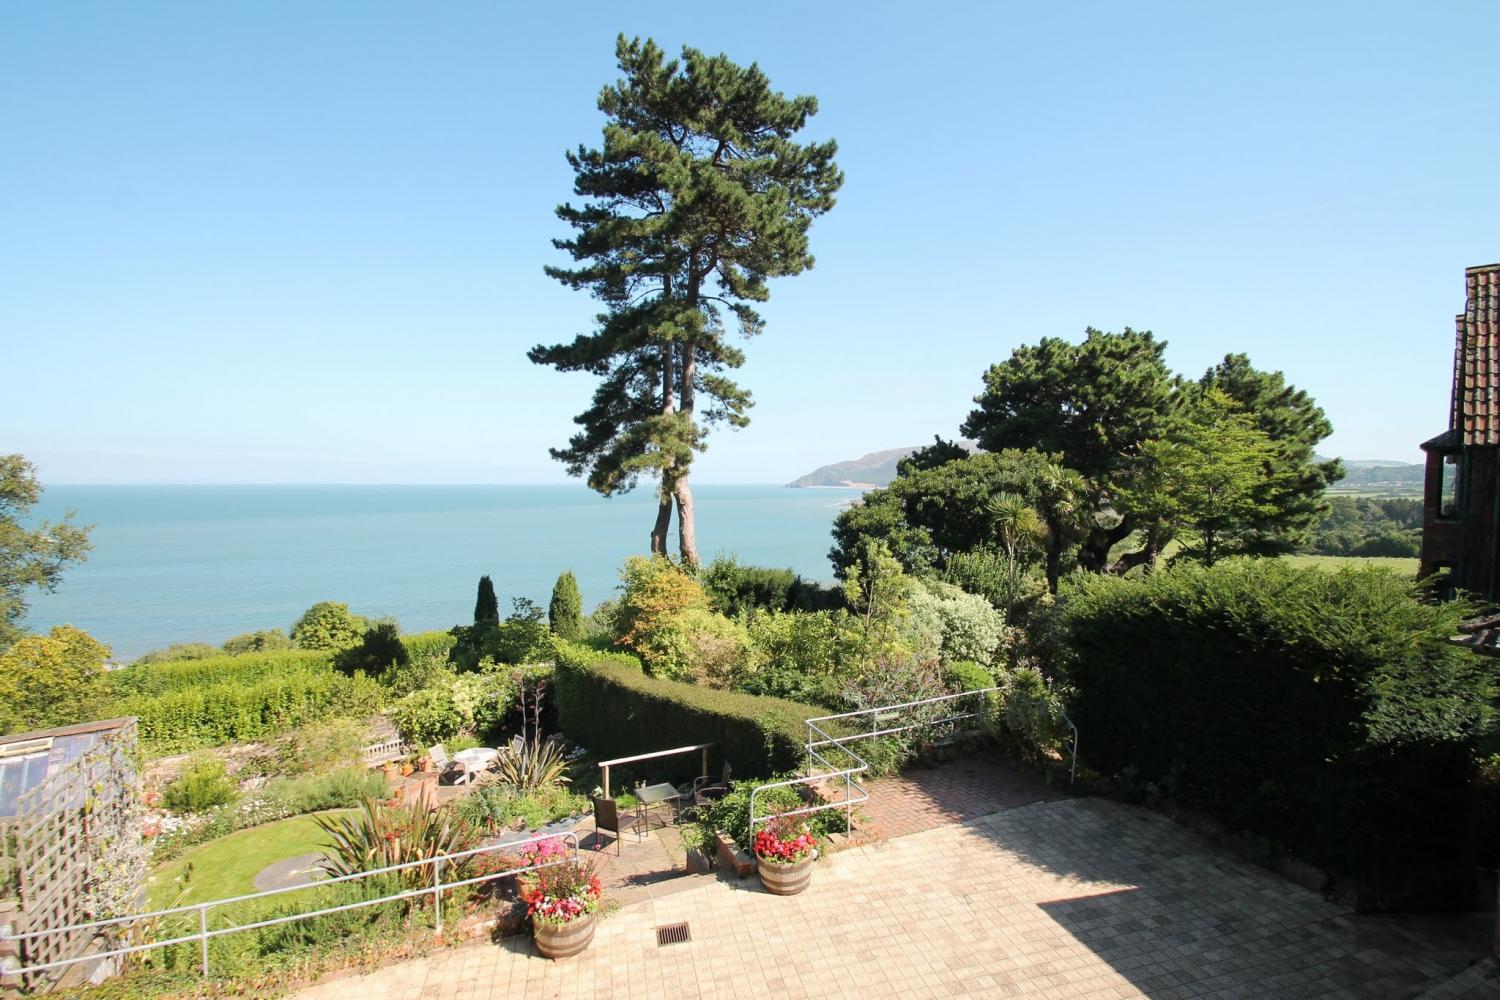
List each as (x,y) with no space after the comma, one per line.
(265,641)
(337,789)
(324,745)
(803,656)
(231,711)
(1326,712)
(423,644)
(734,589)
(496,807)
(179,651)
(456,703)
(428,669)
(521,638)
(380,648)
(606,703)
(701,647)
(203,784)
(1027,717)
(946,622)
(428,716)
(731,813)
(966,675)
(328,625)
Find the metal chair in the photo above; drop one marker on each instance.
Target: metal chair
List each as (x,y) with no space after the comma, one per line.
(705,794)
(607,819)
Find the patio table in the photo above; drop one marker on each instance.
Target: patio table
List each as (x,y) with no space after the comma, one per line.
(649,795)
(474,760)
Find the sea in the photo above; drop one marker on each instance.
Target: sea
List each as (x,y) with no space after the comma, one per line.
(202,563)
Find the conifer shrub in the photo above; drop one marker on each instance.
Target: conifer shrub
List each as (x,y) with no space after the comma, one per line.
(486,603)
(1325,712)
(565,613)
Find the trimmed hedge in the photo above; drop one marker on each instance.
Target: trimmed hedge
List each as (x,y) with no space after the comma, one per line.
(421,644)
(231,711)
(1324,712)
(606,703)
(244,668)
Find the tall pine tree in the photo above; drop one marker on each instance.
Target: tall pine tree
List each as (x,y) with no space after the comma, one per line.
(486,604)
(697,196)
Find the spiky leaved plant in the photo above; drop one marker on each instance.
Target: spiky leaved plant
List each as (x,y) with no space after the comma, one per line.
(380,836)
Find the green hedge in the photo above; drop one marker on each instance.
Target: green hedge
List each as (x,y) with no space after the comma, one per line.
(606,703)
(245,668)
(232,712)
(421,644)
(1324,712)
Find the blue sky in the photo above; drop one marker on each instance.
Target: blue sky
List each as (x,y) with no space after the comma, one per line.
(276,242)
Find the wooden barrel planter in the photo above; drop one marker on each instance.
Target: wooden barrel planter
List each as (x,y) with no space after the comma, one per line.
(785,880)
(563,940)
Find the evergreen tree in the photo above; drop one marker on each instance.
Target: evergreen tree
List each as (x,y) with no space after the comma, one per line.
(1093,404)
(30,557)
(565,613)
(697,196)
(486,605)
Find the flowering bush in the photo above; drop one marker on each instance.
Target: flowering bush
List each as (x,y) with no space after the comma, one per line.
(561,892)
(784,842)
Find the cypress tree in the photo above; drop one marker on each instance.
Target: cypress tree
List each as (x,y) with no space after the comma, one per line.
(487,605)
(566,611)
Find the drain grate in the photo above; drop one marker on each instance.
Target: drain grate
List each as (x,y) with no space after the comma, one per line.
(673,934)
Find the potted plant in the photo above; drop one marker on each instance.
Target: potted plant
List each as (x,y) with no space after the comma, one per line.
(562,898)
(784,854)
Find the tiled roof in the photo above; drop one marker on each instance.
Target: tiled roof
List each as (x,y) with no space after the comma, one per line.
(1476,362)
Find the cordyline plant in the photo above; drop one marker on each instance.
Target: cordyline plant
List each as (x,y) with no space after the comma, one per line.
(381,836)
(785,840)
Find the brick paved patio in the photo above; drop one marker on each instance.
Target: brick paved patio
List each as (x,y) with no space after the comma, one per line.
(925,799)
(1070,898)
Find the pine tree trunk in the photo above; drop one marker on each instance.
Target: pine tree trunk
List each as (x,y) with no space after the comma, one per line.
(668,406)
(687,527)
(663,521)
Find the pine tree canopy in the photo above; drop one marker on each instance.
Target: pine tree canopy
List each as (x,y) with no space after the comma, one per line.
(697,196)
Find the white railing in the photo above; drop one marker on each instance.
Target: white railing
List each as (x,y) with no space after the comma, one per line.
(854,792)
(435,889)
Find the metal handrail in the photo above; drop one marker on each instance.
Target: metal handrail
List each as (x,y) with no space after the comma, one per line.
(815,729)
(435,890)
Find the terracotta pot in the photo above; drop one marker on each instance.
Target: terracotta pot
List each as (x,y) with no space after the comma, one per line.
(563,940)
(392,772)
(785,880)
(406,770)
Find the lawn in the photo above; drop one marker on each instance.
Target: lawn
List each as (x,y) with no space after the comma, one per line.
(1404,566)
(228,866)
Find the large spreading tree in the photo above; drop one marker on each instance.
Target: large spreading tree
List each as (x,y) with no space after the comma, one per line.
(1110,409)
(697,196)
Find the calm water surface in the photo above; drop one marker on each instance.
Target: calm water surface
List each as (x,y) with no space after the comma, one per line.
(202,563)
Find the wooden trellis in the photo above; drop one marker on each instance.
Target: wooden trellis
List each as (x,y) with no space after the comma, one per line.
(72,838)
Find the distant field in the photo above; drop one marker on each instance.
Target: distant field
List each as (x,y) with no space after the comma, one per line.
(1406,567)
